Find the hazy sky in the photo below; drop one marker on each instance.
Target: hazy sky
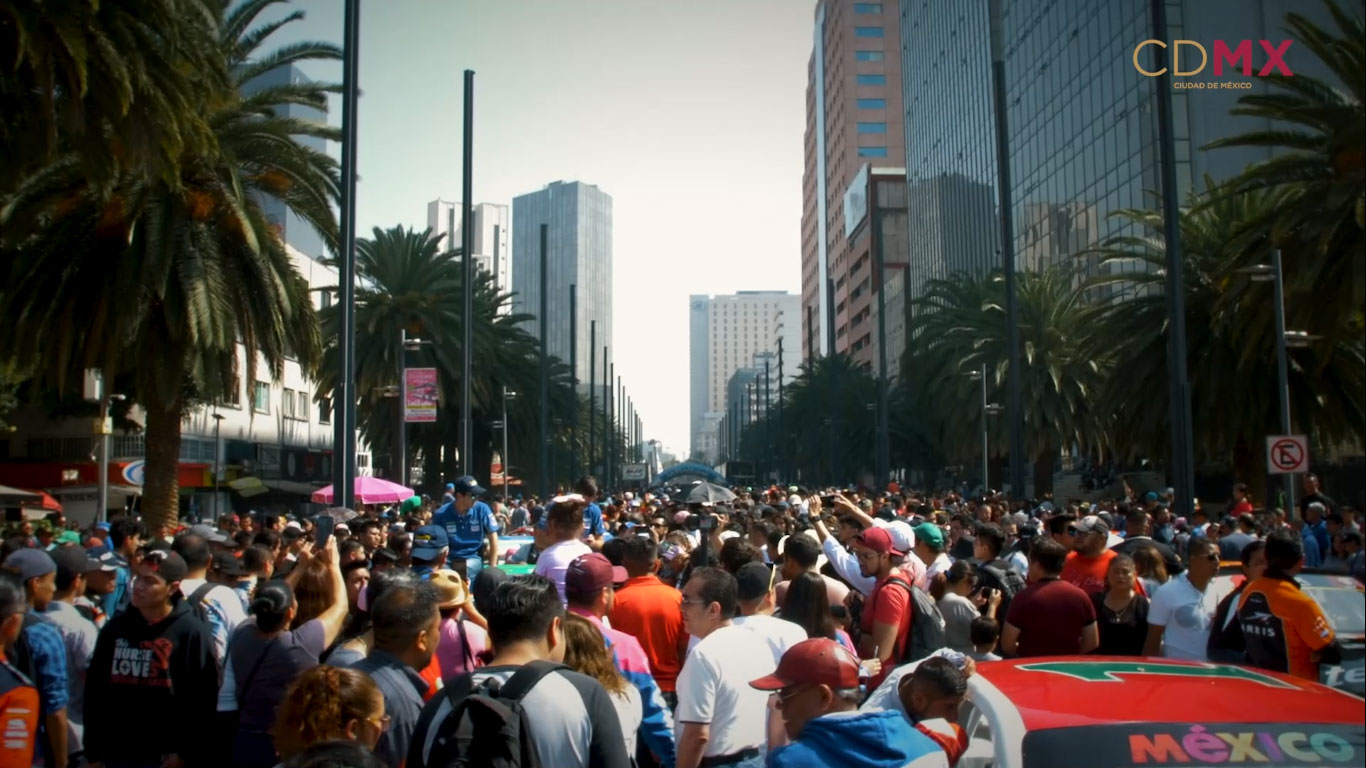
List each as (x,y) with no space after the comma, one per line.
(689,113)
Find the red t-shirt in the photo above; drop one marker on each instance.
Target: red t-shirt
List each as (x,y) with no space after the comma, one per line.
(1050,615)
(651,610)
(888,604)
(1088,573)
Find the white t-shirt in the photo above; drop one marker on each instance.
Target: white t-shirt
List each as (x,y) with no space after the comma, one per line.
(713,689)
(941,564)
(555,560)
(629,712)
(1187,614)
(779,634)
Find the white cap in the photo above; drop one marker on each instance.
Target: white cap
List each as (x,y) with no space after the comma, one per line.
(794,500)
(903,538)
(728,535)
(294,524)
(628,495)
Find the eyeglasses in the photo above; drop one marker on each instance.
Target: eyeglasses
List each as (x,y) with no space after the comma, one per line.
(382,722)
(687,601)
(1072,531)
(1213,557)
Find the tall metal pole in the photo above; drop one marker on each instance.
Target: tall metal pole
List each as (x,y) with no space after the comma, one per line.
(573,381)
(467,246)
(768,425)
(102,514)
(592,395)
(1015,400)
(607,407)
(609,418)
(782,453)
(1283,375)
(986,466)
(401,452)
(544,470)
(344,396)
(1182,470)
(217,461)
(507,463)
(883,461)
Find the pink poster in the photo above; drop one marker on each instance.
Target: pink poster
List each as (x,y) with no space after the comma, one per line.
(420,394)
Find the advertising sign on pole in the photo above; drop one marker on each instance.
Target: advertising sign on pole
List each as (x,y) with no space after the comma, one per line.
(420,394)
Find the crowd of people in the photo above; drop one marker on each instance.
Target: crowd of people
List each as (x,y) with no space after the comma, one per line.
(789,627)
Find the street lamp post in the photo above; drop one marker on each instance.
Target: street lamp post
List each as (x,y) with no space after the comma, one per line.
(1272,273)
(217,460)
(507,464)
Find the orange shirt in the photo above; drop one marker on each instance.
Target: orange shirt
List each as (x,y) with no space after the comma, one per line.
(1282,627)
(1088,573)
(432,674)
(652,612)
(18,717)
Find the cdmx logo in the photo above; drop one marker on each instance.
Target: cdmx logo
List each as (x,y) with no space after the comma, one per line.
(1223,55)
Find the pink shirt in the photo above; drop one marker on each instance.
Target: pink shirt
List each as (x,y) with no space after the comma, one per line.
(450,651)
(627,649)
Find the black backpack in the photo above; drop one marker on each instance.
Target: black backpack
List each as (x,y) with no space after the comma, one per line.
(998,574)
(487,727)
(196,602)
(927,624)
(19,654)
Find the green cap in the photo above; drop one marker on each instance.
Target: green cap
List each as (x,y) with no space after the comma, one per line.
(410,503)
(929,533)
(68,537)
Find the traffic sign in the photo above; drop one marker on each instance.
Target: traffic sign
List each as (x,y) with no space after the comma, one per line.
(1287,454)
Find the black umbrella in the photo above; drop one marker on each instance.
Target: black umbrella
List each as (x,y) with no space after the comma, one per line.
(709,493)
(340,514)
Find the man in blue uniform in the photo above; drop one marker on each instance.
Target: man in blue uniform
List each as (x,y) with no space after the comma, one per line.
(468,523)
(593,528)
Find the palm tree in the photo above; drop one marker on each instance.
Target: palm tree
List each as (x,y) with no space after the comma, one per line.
(828,429)
(408,285)
(1230,338)
(962,329)
(164,278)
(91,77)
(1319,129)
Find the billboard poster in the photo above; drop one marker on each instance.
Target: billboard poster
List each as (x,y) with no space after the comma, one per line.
(420,394)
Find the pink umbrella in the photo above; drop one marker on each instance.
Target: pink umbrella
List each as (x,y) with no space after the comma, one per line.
(369,490)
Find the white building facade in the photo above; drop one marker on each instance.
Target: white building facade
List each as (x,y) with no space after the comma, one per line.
(492,237)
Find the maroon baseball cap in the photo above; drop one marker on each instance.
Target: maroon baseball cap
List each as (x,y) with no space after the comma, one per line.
(878,540)
(818,661)
(592,573)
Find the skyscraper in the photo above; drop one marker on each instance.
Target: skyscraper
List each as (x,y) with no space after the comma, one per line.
(579,251)
(293,229)
(1083,136)
(854,117)
(727,334)
(491,235)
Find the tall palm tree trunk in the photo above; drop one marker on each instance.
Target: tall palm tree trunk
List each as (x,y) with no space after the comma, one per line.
(1044,465)
(161,487)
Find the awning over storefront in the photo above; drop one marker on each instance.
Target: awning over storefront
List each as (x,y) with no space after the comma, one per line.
(59,474)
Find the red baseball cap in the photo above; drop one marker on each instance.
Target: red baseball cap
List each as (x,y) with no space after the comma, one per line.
(592,573)
(818,661)
(878,540)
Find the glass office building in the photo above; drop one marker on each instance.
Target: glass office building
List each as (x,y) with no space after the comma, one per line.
(1081,119)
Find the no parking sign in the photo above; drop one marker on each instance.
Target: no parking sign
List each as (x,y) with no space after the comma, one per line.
(1287,454)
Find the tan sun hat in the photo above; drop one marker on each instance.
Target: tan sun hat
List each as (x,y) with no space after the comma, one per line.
(450,586)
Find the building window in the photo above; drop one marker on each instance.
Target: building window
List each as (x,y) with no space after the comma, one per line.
(326,299)
(233,397)
(867,31)
(260,397)
(871,79)
(301,411)
(868,55)
(325,410)
(872,151)
(872,127)
(287,403)
(362,460)
(867,7)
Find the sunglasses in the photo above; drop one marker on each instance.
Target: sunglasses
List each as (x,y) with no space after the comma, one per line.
(1072,530)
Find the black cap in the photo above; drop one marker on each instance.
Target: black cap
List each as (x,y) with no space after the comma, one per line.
(73,561)
(226,564)
(754,580)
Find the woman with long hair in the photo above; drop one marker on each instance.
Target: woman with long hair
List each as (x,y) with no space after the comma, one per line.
(268,651)
(1150,568)
(1121,612)
(313,588)
(807,605)
(329,703)
(585,651)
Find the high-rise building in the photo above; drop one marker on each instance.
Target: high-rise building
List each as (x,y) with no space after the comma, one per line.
(874,227)
(854,117)
(491,235)
(293,229)
(1082,129)
(725,335)
(578,252)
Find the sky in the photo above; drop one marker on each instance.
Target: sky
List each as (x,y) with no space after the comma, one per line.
(689,113)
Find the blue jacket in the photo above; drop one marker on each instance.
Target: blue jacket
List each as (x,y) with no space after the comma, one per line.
(881,739)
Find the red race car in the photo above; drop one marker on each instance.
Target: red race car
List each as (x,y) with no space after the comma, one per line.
(1120,712)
